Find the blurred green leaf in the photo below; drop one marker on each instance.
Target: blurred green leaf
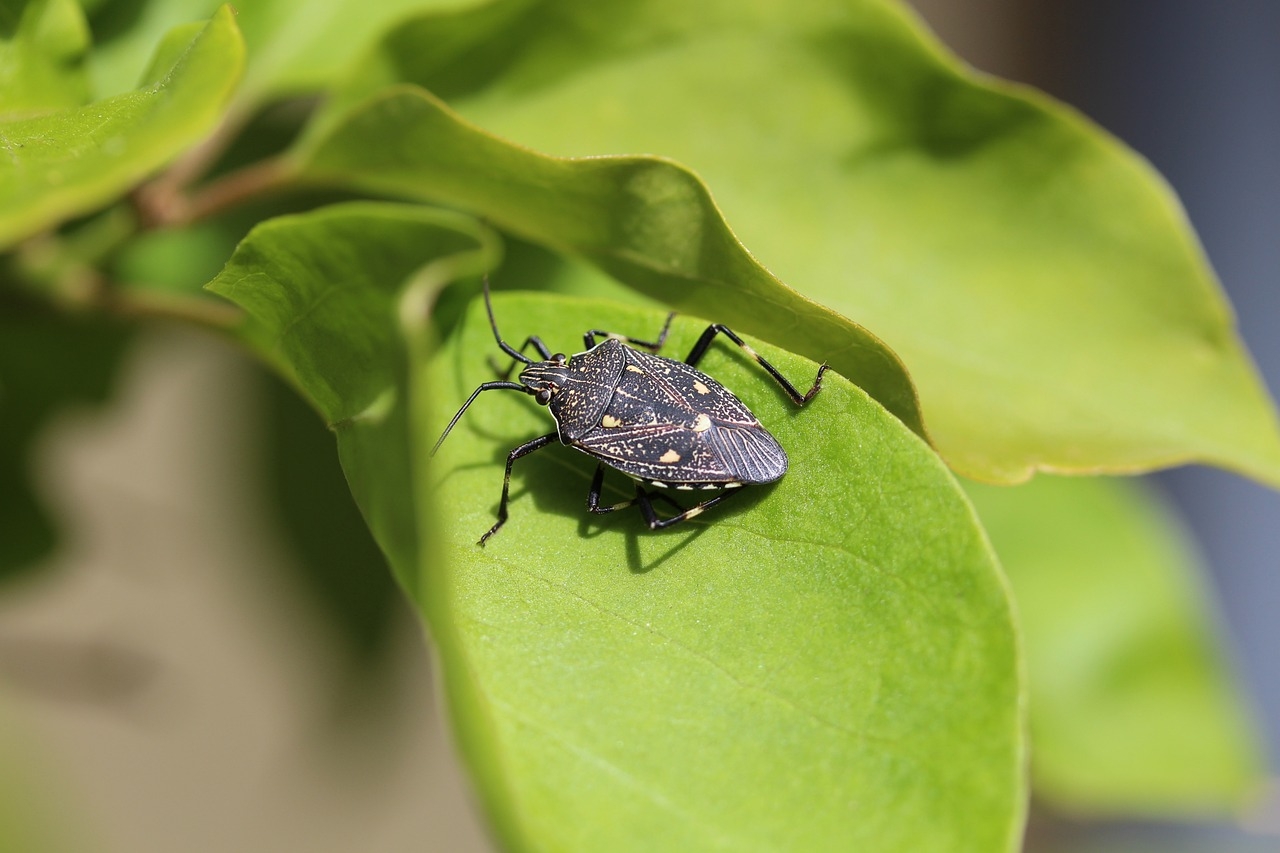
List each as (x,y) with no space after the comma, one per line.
(301,46)
(125,33)
(645,221)
(339,562)
(826,664)
(1039,279)
(1133,710)
(42,49)
(296,47)
(340,269)
(48,363)
(69,162)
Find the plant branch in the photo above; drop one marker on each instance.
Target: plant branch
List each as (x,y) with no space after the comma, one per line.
(260,179)
(159,205)
(137,304)
(86,289)
(193,164)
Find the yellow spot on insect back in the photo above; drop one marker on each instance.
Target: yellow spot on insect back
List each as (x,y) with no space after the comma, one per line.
(700,388)
(634,369)
(702,423)
(609,421)
(670,457)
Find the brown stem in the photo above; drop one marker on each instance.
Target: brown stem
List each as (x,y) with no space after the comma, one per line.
(90,290)
(255,181)
(159,199)
(197,311)
(159,206)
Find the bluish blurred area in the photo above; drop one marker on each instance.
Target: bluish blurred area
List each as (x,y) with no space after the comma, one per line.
(1195,87)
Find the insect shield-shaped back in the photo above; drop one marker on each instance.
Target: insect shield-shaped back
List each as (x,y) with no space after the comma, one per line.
(581,387)
(659,421)
(663,422)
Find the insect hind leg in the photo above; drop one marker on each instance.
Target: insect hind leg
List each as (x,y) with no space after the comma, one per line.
(645,500)
(653,346)
(593,496)
(700,349)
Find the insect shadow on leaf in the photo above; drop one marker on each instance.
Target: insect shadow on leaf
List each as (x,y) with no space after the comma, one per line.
(663,423)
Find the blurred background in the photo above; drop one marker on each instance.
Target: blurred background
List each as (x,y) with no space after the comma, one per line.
(192,695)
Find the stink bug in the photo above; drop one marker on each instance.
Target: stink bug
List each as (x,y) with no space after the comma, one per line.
(661,422)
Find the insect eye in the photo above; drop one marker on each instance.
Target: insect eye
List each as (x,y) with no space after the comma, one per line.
(558,358)
(542,396)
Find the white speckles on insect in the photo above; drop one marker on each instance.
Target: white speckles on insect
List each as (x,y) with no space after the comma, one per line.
(644,415)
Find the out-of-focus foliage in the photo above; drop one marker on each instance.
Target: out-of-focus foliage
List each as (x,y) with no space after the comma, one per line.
(824,663)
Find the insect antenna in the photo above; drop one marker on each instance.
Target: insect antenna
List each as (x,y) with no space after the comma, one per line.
(493,324)
(487,386)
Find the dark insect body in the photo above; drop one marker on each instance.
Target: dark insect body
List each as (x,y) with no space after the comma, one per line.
(661,422)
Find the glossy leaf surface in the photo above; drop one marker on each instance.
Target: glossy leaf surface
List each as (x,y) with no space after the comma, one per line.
(1039,280)
(826,663)
(647,222)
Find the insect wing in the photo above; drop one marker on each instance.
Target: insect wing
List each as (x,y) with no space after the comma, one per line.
(668,422)
(690,389)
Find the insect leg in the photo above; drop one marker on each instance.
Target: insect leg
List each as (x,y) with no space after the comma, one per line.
(537,344)
(523,450)
(653,346)
(645,499)
(700,349)
(593,496)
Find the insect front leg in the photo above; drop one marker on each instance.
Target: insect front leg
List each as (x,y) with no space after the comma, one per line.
(537,344)
(645,500)
(700,349)
(523,450)
(653,346)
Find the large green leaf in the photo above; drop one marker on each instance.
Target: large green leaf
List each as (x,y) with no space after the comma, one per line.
(825,664)
(828,665)
(42,49)
(301,46)
(71,161)
(647,222)
(1132,708)
(1039,279)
